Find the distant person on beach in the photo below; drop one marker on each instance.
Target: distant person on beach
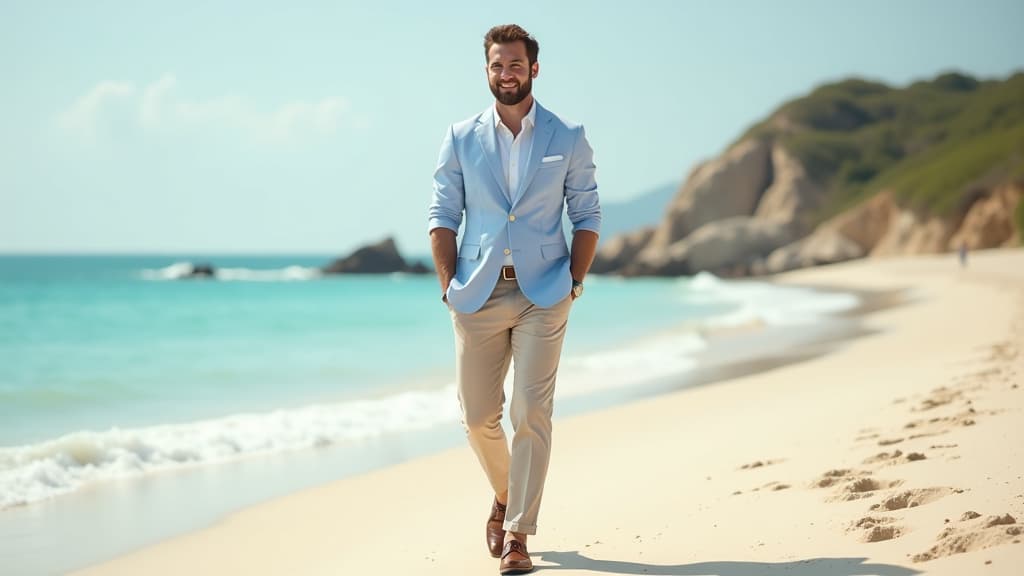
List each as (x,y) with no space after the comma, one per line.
(512,170)
(963,253)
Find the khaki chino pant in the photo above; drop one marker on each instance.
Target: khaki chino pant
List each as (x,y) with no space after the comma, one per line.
(509,327)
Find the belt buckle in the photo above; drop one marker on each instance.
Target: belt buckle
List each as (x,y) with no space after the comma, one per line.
(508,273)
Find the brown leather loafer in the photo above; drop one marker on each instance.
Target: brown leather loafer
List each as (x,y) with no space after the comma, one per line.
(495,529)
(515,566)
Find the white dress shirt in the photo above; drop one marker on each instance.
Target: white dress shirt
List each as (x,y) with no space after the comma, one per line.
(515,153)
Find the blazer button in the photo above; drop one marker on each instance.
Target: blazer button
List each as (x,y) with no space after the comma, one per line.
(507,251)
(511,217)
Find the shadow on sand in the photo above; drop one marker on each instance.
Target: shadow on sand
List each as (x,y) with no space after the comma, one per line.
(811,567)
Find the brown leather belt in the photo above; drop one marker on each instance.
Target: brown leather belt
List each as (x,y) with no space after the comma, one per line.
(508,273)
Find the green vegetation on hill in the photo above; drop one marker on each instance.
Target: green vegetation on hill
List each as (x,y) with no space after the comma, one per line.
(931,142)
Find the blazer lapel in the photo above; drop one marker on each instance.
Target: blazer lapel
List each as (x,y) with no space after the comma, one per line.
(542,132)
(489,143)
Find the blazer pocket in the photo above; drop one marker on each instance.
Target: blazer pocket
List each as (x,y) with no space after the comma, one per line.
(470,251)
(552,251)
(553,164)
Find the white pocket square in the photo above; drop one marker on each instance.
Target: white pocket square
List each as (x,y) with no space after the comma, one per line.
(554,158)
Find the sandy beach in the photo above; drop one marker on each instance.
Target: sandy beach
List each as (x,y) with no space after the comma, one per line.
(899,453)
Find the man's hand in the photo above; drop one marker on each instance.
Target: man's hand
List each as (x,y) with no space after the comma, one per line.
(584,247)
(442,246)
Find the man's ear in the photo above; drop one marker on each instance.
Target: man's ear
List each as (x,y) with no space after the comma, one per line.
(535,69)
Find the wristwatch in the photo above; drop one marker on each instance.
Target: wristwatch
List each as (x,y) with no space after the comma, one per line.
(577,289)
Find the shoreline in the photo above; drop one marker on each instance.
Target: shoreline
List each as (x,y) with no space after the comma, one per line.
(730,351)
(422,465)
(703,483)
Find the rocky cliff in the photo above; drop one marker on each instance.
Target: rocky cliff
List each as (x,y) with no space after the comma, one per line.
(854,169)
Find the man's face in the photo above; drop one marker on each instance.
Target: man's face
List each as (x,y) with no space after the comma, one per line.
(509,72)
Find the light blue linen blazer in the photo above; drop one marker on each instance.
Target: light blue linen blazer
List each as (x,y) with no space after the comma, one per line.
(469,180)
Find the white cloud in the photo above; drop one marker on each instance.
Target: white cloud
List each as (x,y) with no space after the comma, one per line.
(84,115)
(153,96)
(161,109)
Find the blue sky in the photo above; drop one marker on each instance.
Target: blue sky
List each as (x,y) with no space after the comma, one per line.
(313,127)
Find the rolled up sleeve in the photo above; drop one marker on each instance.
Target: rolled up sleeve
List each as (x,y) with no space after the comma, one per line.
(582,203)
(448,201)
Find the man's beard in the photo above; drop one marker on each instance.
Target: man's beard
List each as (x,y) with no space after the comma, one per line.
(512,98)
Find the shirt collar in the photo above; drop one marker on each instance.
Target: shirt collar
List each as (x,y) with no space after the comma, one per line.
(528,120)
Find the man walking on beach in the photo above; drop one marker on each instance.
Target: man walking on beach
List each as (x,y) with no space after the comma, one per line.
(512,170)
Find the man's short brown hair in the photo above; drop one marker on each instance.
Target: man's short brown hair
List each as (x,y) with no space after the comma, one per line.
(507,33)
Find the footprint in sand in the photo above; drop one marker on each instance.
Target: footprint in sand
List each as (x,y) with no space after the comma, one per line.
(884,457)
(976,380)
(975,533)
(863,488)
(894,457)
(1003,352)
(836,476)
(889,441)
(852,484)
(774,486)
(759,464)
(859,488)
(938,397)
(876,528)
(911,498)
(944,395)
(942,424)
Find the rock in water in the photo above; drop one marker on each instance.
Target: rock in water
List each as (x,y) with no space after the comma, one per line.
(380,258)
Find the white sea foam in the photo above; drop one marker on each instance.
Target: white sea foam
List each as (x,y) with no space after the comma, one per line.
(180,270)
(643,360)
(765,303)
(703,282)
(172,272)
(45,469)
(42,470)
(289,273)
